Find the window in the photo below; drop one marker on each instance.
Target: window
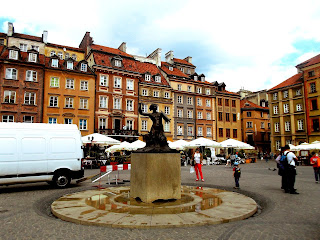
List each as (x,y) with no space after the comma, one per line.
(179,113)
(52,53)
(166,110)
(234,117)
(181,69)
(189,88)
(220,132)
(235,133)
(31,76)
(53,101)
(199,115)
(166,95)
(287,126)
(1,42)
(298,92)
(261,114)
(54,82)
(249,124)
(155,93)
(202,79)
(29,98)
(147,77)
(7,118)
(226,102)
(275,96)
(188,71)
(129,84)
(179,87)
(179,99)
(144,92)
(129,105)
(69,83)
(66,56)
(220,116)
(33,47)
(277,144)
(275,110)
(23,47)
(315,125)
(227,117)
(200,131)
(209,132)
(116,104)
(74,57)
(207,91)
(166,127)
(68,121)
(314,104)
(262,125)
(13,54)
(263,103)
(277,127)
(60,55)
(179,129)
(300,124)
(32,57)
(285,94)
(103,103)
(248,114)
(269,125)
(83,67)
(117,63)
(312,87)
(208,116)
(144,125)
(83,103)
(299,107)
(220,101)
(208,103)
(195,78)
(227,133)
(170,68)
(28,119)
(157,78)
(84,85)
(190,131)
(190,114)
(199,101)
(117,82)
(102,123)
(189,100)
(233,103)
(69,65)
(144,108)
(11,73)
(199,90)
(69,102)
(9,97)
(311,74)
(52,120)
(129,125)
(54,62)
(286,108)
(83,124)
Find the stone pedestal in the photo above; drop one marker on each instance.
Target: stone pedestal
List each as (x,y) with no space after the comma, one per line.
(155,176)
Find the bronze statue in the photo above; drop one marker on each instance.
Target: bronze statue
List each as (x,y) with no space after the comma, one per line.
(155,140)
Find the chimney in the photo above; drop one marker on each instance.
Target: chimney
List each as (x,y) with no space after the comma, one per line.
(156,55)
(86,42)
(45,36)
(123,47)
(10,29)
(169,57)
(188,59)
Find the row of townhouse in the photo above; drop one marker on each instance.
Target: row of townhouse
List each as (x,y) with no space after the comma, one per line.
(100,89)
(294,106)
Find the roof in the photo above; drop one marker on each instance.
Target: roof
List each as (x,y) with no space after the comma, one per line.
(24,56)
(309,62)
(143,67)
(3,34)
(289,82)
(248,104)
(25,36)
(228,92)
(67,47)
(182,61)
(63,66)
(114,51)
(174,72)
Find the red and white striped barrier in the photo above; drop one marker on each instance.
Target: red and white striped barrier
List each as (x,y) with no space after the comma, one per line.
(115,167)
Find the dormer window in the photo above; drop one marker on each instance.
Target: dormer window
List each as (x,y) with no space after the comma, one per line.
(32,57)
(182,70)
(170,68)
(67,56)
(147,77)
(52,53)
(83,67)
(74,57)
(13,54)
(54,62)
(60,55)
(202,79)
(117,63)
(157,78)
(69,65)
(195,78)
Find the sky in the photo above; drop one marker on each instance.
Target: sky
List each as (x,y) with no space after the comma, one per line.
(246,44)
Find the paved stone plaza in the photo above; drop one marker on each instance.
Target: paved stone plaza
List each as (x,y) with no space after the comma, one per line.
(25,209)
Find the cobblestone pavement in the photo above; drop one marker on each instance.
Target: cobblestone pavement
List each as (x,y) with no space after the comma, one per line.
(25,209)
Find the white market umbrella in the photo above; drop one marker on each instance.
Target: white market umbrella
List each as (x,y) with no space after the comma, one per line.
(203,142)
(307,146)
(232,143)
(99,139)
(137,144)
(122,146)
(178,145)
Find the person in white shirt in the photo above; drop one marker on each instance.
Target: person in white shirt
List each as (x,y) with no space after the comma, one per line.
(291,170)
(197,158)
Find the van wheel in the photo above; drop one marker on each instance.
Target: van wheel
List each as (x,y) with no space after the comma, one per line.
(61,179)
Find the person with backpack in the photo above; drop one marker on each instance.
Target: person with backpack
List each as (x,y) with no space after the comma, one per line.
(315,162)
(236,174)
(281,166)
(290,170)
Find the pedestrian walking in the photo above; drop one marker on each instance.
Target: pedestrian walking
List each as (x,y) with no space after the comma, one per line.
(291,170)
(236,174)
(197,158)
(315,162)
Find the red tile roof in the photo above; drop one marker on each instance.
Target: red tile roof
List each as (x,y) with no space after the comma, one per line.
(29,37)
(3,34)
(175,72)
(24,56)
(244,104)
(309,62)
(62,66)
(182,61)
(143,67)
(67,47)
(110,50)
(290,81)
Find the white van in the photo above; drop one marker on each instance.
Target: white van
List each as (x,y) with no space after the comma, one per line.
(36,152)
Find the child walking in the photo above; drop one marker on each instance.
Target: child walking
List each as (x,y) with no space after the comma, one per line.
(236,174)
